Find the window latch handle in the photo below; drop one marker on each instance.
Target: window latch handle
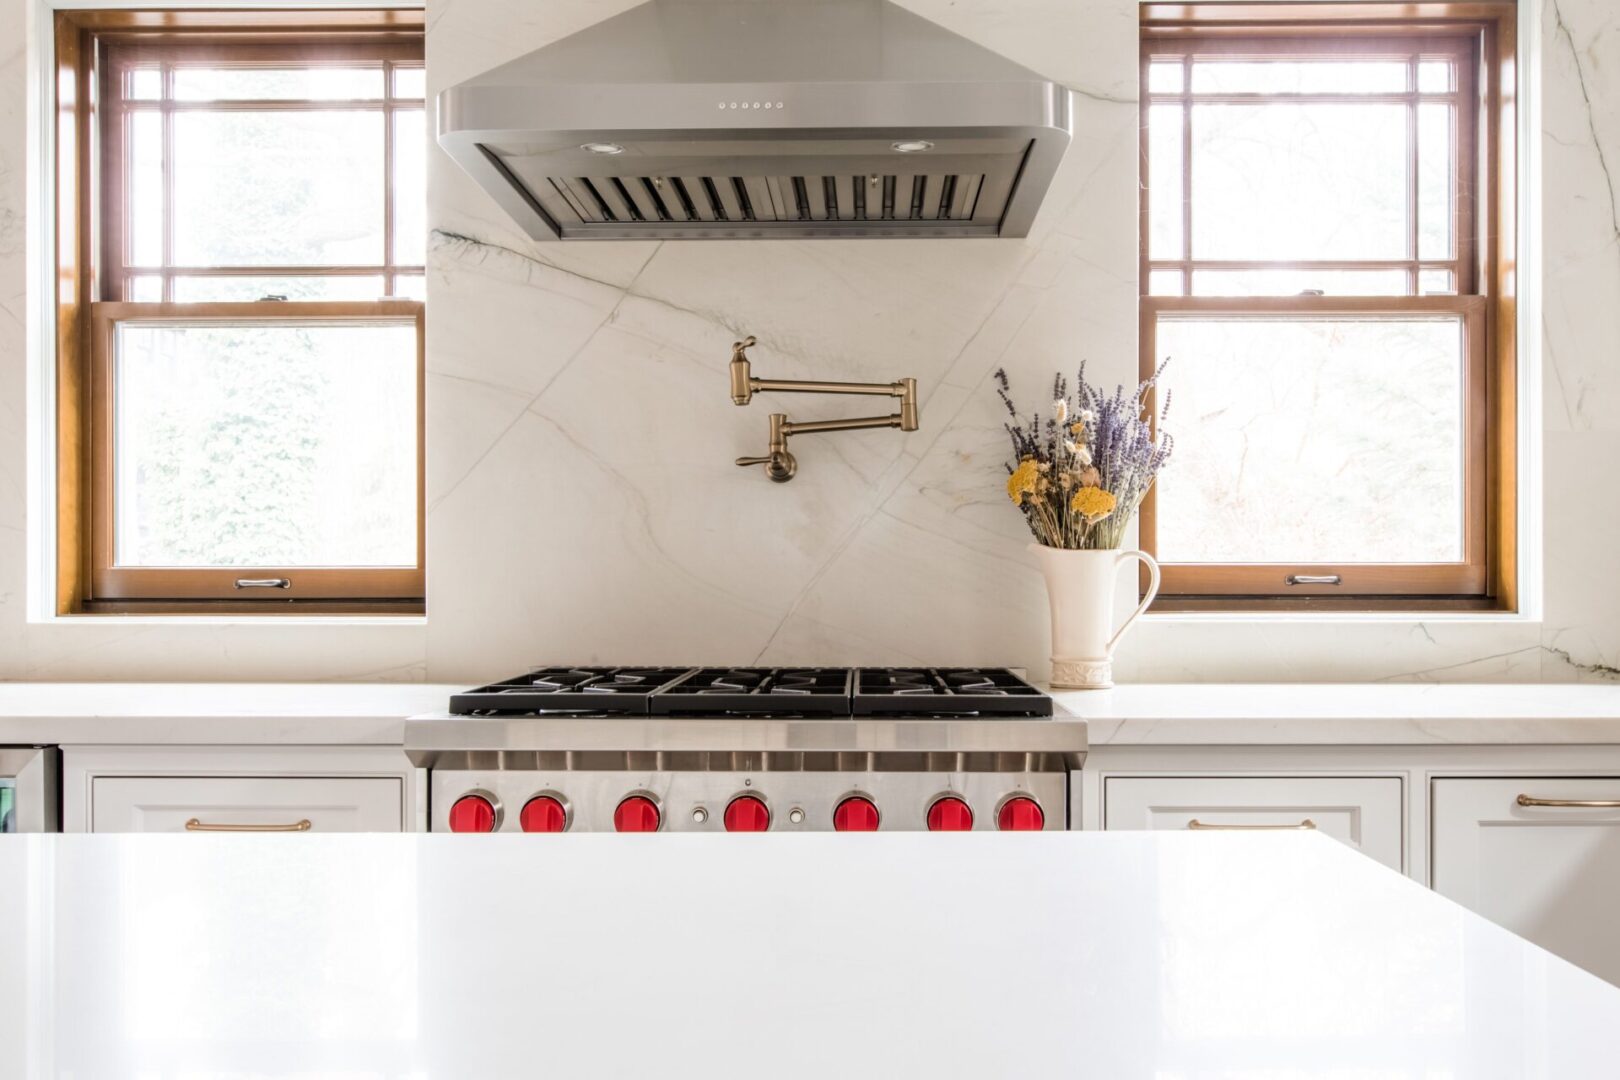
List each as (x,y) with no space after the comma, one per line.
(263,583)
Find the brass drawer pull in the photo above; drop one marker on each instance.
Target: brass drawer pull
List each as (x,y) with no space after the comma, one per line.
(202,826)
(1584,804)
(263,583)
(1196,824)
(1313,579)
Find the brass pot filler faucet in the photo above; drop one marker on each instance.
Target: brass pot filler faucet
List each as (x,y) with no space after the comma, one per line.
(781,465)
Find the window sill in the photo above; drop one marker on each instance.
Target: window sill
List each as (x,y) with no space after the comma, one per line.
(1484,617)
(302,619)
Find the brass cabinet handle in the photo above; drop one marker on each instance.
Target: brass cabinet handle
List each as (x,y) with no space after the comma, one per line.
(1313,579)
(1196,824)
(1586,804)
(202,826)
(263,583)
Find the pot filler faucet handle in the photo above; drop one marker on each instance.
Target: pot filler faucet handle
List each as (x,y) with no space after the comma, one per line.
(781,465)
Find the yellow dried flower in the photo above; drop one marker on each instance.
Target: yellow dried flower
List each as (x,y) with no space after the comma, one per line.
(1022,481)
(1092,503)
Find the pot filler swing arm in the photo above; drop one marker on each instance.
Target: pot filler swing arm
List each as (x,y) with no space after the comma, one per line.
(780,465)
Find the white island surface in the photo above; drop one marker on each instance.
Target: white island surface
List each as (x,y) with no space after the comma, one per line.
(884,955)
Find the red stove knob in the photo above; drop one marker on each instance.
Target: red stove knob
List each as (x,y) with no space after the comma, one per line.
(636,813)
(543,813)
(856,814)
(746,813)
(949,814)
(1021,814)
(472,813)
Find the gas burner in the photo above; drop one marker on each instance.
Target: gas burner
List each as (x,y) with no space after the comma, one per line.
(946,692)
(600,691)
(757,692)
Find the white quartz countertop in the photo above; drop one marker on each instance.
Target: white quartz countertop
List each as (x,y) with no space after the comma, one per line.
(1116,955)
(1346,714)
(1167,714)
(214,713)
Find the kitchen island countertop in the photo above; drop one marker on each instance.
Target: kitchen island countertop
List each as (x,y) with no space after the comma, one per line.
(883,955)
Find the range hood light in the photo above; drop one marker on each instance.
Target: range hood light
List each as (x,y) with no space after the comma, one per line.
(602,148)
(911,146)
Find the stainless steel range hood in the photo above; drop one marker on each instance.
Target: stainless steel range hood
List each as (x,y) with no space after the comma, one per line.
(759,119)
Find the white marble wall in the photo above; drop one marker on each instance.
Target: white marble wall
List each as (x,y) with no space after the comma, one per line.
(583,504)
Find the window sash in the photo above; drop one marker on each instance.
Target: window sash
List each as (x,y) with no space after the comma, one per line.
(1467,577)
(110,582)
(121,57)
(1459,48)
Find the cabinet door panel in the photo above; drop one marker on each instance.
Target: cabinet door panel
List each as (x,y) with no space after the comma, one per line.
(1548,873)
(1362,811)
(249,803)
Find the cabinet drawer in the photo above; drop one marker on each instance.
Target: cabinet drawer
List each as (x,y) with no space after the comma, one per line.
(1362,811)
(261,803)
(1549,873)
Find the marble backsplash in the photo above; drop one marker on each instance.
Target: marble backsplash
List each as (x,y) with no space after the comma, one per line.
(583,501)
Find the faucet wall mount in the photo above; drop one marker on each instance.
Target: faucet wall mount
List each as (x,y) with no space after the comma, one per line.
(780,465)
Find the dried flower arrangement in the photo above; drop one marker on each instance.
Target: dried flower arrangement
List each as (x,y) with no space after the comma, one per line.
(1080,473)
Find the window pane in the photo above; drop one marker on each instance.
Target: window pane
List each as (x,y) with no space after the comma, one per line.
(410,286)
(410,188)
(265,445)
(145,84)
(1313,440)
(1297,282)
(1436,283)
(1164,182)
(1299,181)
(145,188)
(288,188)
(277,84)
(1298,76)
(1437,179)
(1164,77)
(410,82)
(1436,76)
(197,288)
(145,289)
(1164,282)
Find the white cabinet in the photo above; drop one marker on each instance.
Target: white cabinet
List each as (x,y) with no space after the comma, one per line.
(1365,812)
(1546,871)
(239,788)
(245,804)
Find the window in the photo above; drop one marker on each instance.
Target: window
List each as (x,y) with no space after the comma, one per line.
(240,366)
(1324,244)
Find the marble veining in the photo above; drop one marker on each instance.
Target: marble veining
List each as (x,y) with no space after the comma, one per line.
(583,504)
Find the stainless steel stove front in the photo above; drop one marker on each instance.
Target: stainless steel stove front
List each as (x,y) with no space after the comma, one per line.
(696,801)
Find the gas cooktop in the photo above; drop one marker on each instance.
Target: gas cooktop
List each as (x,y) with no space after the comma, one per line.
(798,692)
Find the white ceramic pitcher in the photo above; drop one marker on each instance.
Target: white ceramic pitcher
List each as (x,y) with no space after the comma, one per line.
(1080,586)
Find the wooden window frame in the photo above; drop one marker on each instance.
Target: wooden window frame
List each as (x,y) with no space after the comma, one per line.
(1483,266)
(91,241)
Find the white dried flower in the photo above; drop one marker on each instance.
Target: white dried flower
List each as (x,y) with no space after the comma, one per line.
(1088,416)
(1068,444)
(1060,409)
(1083,455)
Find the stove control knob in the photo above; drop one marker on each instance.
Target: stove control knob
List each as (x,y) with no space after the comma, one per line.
(747,813)
(472,813)
(857,813)
(636,813)
(544,813)
(949,814)
(1021,814)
